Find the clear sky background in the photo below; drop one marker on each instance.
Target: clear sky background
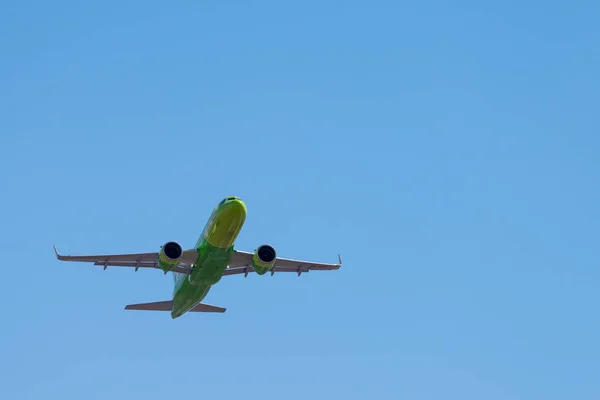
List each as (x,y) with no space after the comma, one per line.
(448,150)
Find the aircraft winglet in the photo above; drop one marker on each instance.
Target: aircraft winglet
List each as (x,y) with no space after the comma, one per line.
(59,256)
(340,259)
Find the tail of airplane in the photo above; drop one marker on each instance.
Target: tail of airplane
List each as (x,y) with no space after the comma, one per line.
(168,305)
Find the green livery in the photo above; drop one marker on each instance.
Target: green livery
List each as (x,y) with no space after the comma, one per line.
(195,271)
(215,247)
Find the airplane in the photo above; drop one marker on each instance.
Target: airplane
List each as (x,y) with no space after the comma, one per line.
(196,271)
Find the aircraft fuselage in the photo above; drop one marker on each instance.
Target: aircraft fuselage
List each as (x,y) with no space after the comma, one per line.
(215,246)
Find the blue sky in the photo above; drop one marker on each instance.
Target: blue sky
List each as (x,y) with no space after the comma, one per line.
(446,150)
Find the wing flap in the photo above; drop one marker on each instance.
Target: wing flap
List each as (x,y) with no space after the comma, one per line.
(247,270)
(137,260)
(110,257)
(241,263)
(179,269)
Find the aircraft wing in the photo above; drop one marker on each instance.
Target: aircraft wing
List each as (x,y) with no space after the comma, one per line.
(134,260)
(241,263)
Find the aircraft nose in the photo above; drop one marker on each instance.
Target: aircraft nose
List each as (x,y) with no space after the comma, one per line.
(237,205)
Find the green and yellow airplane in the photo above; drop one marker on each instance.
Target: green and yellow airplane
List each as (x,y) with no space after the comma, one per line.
(195,271)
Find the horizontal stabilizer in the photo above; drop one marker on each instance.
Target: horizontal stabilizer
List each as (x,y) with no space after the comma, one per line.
(156,306)
(168,305)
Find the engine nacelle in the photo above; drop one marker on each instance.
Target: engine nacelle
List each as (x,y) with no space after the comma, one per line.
(263,259)
(169,256)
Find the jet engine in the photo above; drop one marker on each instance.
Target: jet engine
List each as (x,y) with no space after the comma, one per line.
(169,256)
(263,259)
